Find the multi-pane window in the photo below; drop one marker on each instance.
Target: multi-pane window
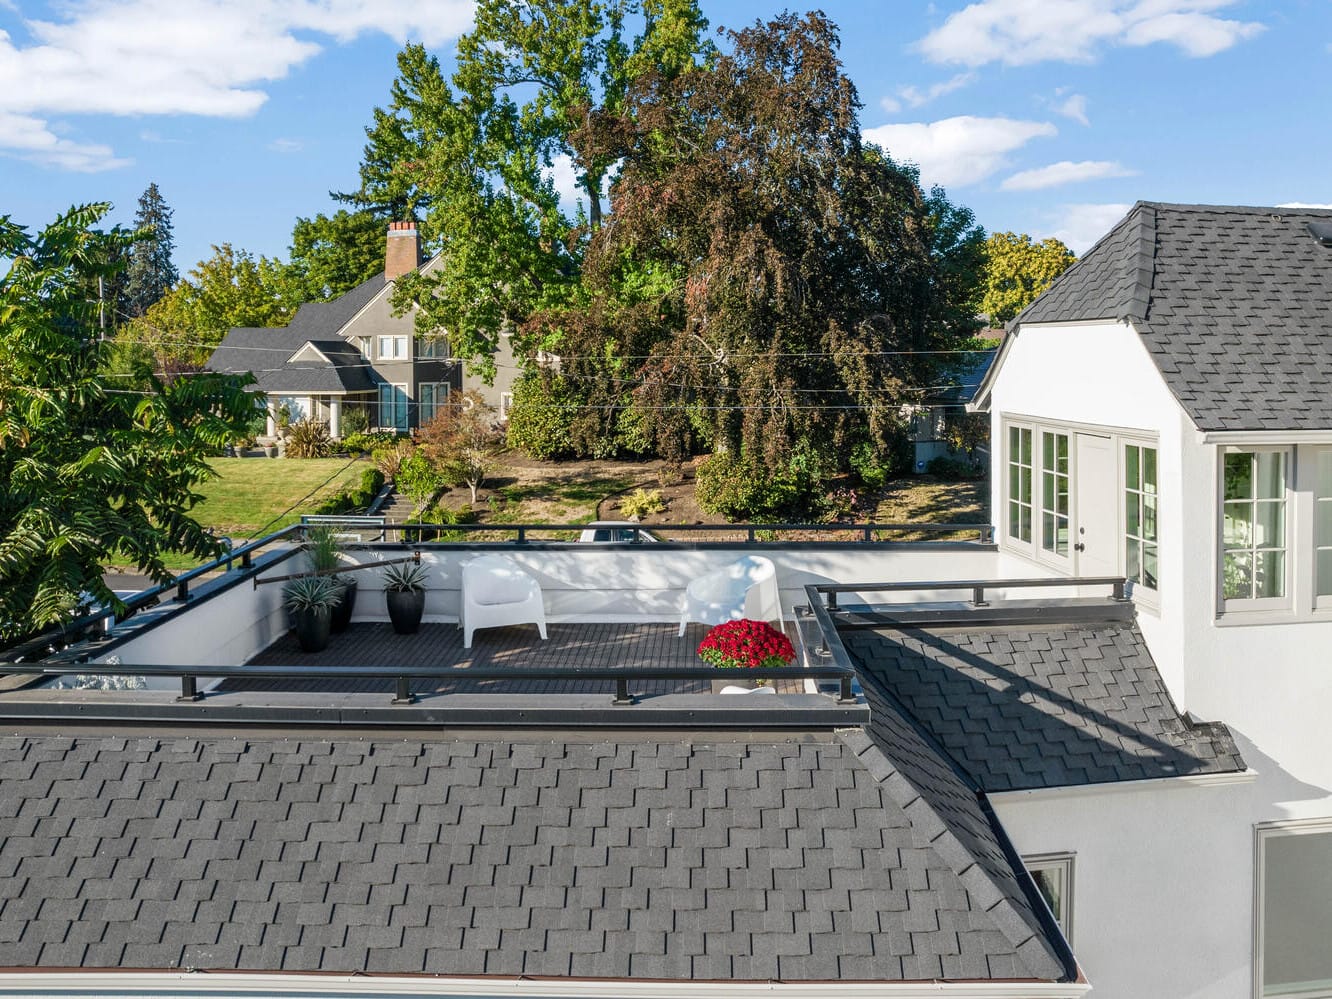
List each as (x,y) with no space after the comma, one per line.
(363,345)
(1323,526)
(506,405)
(1054,492)
(432,346)
(1140,507)
(392,348)
(1019,483)
(432,396)
(393,406)
(1295,909)
(1253,525)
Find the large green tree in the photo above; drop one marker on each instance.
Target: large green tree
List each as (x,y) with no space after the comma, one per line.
(88,468)
(151,272)
(230,288)
(1018,269)
(332,254)
(537,84)
(767,283)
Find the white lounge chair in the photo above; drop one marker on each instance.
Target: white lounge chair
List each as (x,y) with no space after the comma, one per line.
(746,588)
(496,592)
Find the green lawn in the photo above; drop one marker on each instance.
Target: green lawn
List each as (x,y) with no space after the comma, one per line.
(249,493)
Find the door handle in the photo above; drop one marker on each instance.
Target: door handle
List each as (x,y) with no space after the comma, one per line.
(1079,547)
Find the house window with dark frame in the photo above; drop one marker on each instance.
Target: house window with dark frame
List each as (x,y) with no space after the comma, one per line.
(1294,898)
(1141,550)
(1253,524)
(1019,483)
(428,347)
(432,397)
(393,406)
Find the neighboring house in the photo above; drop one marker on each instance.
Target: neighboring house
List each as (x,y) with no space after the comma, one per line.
(958,383)
(353,352)
(1164,412)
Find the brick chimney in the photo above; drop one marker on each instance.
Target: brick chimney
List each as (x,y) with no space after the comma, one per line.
(403,252)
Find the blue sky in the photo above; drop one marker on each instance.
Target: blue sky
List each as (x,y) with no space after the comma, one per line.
(1043,116)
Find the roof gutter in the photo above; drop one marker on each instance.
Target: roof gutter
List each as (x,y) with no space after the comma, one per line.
(102,984)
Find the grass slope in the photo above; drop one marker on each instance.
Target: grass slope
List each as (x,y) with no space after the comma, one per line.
(250,492)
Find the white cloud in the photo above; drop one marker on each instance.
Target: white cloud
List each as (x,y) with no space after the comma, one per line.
(1064,172)
(958,151)
(1080,226)
(286,145)
(1020,32)
(1302,204)
(1073,106)
(890,104)
(564,177)
(915,96)
(201,57)
(32,139)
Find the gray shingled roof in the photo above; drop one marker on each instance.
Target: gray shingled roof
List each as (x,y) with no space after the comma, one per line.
(321,320)
(1042,706)
(267,353)
(1232,303)
(805,860)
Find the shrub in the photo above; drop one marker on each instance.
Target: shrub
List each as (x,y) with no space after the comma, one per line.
(389,459)
(372,480)
(354,421)
(418,478)
(871,466)
(308,439)
(744,490)
(541,417)
(363,443)
(951,469)
(640,503)
(348,501)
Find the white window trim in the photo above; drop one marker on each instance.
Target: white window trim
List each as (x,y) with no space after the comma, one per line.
(394,339)
(1033,549)
(1262,832)
(406,404)
(1141,443)
(1064,864)
(1120,436)
(505,405)
(1262,606)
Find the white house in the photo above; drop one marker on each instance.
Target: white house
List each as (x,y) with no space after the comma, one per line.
(1163,412)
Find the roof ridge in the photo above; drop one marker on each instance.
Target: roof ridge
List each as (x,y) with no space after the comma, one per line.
(1238,209)
(1008,919)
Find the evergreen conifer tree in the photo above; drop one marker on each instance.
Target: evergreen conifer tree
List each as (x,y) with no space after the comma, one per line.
(151,272)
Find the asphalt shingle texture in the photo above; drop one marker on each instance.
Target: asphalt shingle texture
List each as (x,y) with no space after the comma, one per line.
(652,859)
(1231,303)
(1055,706)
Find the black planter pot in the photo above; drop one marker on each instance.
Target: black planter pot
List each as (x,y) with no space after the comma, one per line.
(342,610)
(312,628)
(405,608)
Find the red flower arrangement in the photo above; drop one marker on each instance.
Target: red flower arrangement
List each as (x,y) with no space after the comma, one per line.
(746,644)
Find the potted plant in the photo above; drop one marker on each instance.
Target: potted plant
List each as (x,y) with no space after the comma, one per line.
(404,591)
(310,600)
(745,644)
(323,549)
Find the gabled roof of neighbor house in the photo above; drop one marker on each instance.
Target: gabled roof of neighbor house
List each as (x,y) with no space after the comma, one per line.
(1232,303)
(322,320)
(269,353)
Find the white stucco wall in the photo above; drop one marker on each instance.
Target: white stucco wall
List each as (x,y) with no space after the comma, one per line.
(1162,882)
(1099,375)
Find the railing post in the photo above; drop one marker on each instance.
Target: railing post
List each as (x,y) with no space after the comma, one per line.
(1118,589)
(522,536)
(751,538)
(868,532)
(978,597)
(622,695)
(247,559)
(846,694)
(189,689)
(832,600)
(987,535)
(404,693)
(183,590)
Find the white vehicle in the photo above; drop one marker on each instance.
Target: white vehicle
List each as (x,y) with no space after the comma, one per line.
(609,531)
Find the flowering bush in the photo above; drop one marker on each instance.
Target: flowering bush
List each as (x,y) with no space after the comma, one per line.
(746,644)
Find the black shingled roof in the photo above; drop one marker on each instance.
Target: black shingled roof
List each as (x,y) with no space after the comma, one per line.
(812,859)
(1032,706)
(1231,302)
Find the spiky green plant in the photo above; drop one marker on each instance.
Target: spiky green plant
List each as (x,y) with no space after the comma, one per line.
(311,593)
(404,577)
